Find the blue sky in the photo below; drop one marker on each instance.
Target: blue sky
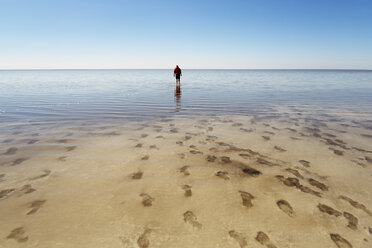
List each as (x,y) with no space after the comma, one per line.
(247,34)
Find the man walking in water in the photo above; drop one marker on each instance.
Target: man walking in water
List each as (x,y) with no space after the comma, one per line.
(177,73)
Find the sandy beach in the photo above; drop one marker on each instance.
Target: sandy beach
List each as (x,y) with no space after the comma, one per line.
(225,181)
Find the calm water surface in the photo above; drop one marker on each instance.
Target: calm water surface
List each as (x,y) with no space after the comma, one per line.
(55,96)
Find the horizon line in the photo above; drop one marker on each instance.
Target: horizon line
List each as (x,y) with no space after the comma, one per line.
(273,69)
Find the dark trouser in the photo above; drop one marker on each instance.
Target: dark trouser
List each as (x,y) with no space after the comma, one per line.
(178,77)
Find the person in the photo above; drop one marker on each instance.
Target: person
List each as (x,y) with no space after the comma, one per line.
(177,73)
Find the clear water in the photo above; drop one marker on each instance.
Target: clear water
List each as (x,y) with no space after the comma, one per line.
(239,158)
(56,96)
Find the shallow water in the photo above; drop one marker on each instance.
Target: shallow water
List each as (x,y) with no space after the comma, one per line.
(54,96)
(114,158)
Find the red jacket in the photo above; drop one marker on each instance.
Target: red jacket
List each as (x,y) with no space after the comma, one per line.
(177,71)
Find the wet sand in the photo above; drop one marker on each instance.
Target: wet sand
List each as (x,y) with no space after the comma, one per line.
(228,181)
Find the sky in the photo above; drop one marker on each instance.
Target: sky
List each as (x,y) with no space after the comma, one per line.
(195,34)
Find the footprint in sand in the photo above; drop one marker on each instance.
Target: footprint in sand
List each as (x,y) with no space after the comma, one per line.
(154,147)
(190,217)
(356,204)
(45,174)
(211,138)
(137,175)
(19,234)
(329,210)
(223,175)
(144,135)
(5,192)
(139,145)
(294,172)
(187,189)
(245,155)
(265,162)
(340,241)
(368,159)
(263,239)
(211,158)
(195,152)
(213,149)
(70,148)
(278,148)
(246,130)
(237,124)
(187,137)
(146,200)
(10,151)
(294,182)
(266,138)
(246,199)
(225,160)
(35,206)
(179,143)
(239,238)
(286,208)
(185,170)
(292,130)
(329,135)
(352,221)
(26,189)
(18,161)
(318,184)
(62,159)
(32,141)
(143,241)
(251,171)
(338,152)
(146,157)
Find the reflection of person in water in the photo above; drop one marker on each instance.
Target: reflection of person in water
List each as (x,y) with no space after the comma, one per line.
(177,73)
(177,97)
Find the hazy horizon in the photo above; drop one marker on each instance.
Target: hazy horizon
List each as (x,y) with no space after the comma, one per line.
(242,69)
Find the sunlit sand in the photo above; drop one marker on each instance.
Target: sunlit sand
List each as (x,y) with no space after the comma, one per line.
(224,181)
